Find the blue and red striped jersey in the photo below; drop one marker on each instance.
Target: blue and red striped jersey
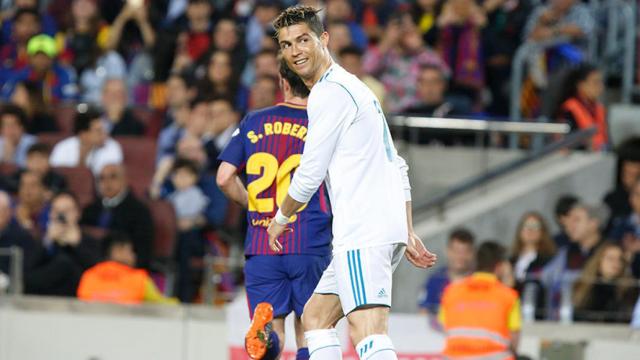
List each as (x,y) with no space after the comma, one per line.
(267,147)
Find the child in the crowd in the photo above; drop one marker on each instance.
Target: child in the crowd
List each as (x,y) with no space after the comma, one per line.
(187,199)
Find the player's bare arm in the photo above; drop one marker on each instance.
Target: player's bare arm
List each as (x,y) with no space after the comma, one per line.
(417,254)
(289,208)
(230,184)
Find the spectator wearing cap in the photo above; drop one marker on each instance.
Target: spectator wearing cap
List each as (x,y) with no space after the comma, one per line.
(26,24)
(14,141)
(58,83)
(91,146)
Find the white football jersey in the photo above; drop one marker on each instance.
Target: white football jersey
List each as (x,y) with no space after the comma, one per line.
(349,146)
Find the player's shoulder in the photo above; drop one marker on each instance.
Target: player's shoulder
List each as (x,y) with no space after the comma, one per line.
(336,81)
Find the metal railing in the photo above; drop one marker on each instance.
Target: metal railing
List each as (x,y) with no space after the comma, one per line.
(16,260)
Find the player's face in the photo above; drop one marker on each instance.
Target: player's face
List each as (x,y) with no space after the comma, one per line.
(303,50)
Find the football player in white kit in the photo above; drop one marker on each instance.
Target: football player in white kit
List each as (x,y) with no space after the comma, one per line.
(349,146)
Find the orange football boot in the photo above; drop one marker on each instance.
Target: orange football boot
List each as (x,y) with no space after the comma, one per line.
(256,341)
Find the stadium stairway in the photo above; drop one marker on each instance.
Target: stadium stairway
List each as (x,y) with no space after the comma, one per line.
(492,210)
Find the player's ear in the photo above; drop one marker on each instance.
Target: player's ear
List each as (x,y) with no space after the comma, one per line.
(324,39)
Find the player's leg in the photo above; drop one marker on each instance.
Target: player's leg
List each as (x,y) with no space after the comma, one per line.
(269,293)
(366,297)
(305,272)
(319,317)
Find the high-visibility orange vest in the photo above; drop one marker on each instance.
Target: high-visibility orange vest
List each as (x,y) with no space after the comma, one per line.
(585,119)
(476,315)
(113,282)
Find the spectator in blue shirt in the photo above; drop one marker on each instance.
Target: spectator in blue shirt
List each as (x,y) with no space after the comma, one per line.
(460,263)
(58,83)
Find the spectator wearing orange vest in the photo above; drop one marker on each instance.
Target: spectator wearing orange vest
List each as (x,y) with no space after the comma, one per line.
(480,315)
(580,106)
(116,280)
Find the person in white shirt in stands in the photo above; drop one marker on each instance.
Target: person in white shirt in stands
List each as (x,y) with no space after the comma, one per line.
(90,147)
(348,145)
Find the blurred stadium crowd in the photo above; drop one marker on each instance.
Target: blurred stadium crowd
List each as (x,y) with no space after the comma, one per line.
(114,112)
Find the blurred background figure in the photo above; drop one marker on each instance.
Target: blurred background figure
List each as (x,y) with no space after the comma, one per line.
(116,208)
(91,146)
(460,263)
(116,279)
(605,291)
(118,119)
(66,251)
(481,313)
(14,141)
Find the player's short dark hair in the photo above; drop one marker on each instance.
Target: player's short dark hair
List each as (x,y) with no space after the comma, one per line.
(489,255)
(39,148)
(14,110)
(267,52)
(351,50)
(299,14)
(298,88)
(564,204)
(114,239)
(27,11)
(461,235)
(84,117)
(185,164)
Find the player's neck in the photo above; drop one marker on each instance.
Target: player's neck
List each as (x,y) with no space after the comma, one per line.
(296,100)
(327,61)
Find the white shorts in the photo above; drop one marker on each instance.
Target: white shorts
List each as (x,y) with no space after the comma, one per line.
(362,276)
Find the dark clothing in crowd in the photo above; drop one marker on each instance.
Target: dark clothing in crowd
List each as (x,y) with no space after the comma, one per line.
(129,125)
(130,217)
(58,269)
(14,235)
(606,303)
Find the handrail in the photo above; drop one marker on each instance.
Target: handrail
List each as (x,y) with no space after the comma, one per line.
(478,125)
(15,272)
(569,141)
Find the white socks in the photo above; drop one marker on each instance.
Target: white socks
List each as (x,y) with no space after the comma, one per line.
(323,344)
(376,347)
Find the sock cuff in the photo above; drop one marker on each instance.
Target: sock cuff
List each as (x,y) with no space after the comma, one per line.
(317,339)
(372,344)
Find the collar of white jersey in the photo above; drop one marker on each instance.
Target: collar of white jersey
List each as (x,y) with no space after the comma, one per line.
(331,68)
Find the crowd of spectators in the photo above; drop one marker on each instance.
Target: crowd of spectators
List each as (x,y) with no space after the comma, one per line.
(145,94)
(594,258)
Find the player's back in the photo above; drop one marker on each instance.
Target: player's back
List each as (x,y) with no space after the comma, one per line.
(366,187)
(272,141)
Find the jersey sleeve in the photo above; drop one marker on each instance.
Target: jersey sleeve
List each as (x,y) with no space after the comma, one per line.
(329,109)
(234,152)
(404,172)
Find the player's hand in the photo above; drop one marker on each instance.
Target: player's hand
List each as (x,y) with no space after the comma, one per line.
(417,253)
(275,230)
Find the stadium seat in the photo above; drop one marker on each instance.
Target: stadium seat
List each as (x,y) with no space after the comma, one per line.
(139,161)
(81,183)
(51,138)
(7,169)
(151,120)
(65,116)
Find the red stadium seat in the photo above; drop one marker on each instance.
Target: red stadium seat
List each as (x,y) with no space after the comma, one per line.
(51,139)
(7,169)
(65,117)
(139,161)
(81,183)
(151,120)
(165,228)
